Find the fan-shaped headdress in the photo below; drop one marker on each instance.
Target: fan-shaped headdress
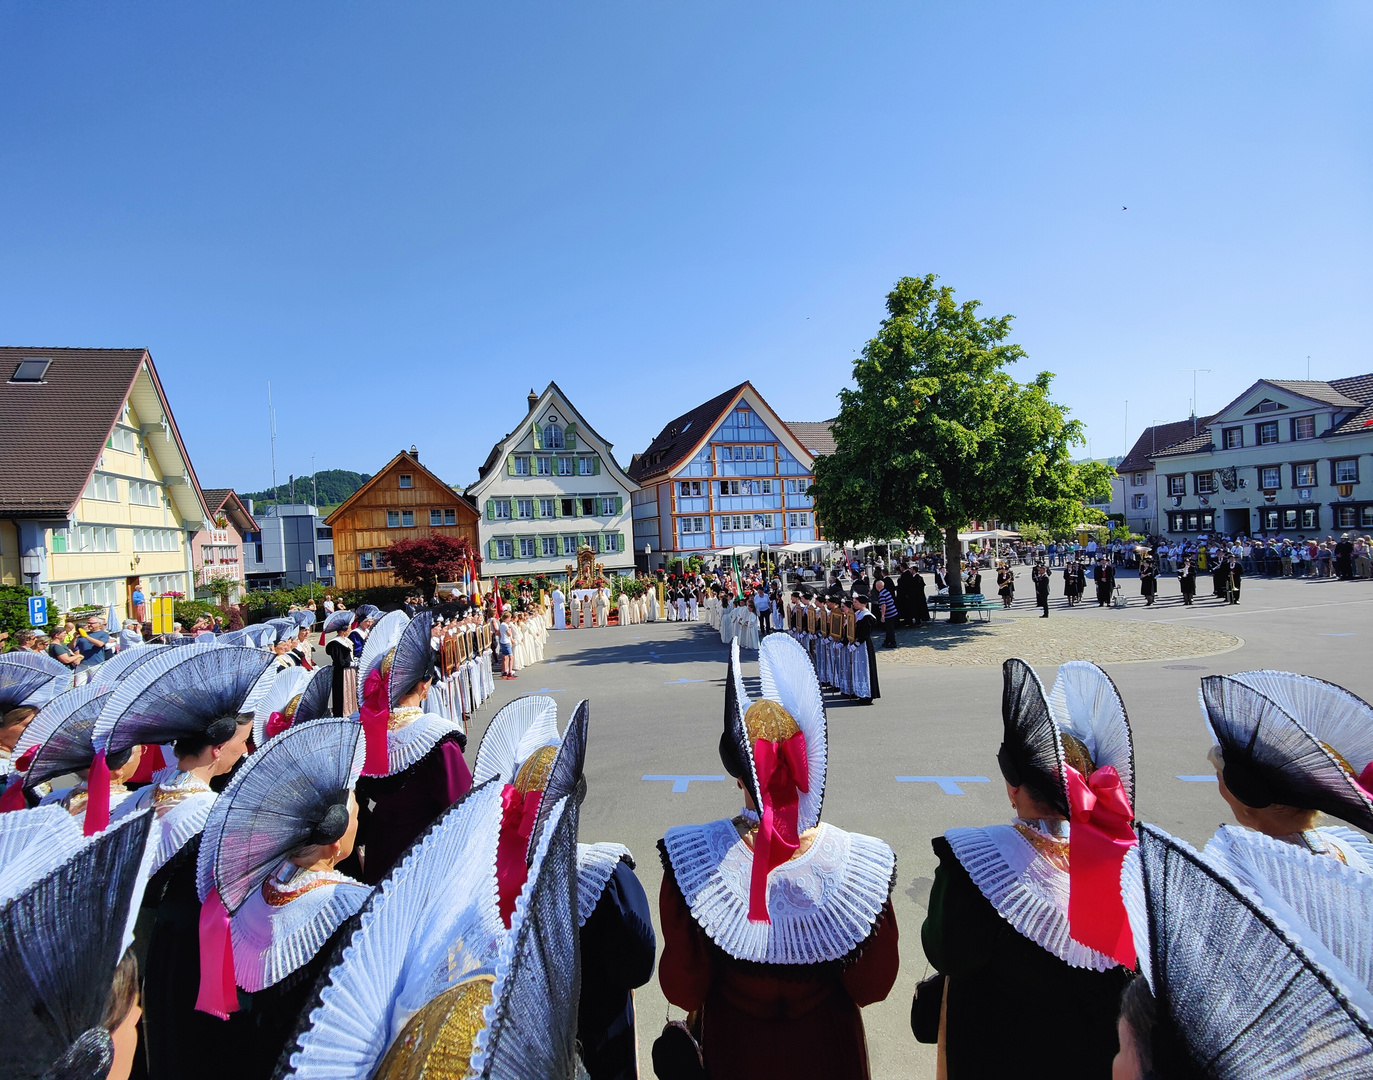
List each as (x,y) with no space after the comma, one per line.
(60,942)
(336,623)
(59,738)
(1203,939)
(32,844)
(274,711)
(200,690)
(285,628)
(537,767)
(30,678)
(398,654)
(304,618)
(315,700)
(121,663)
(778,746)
(293,791)
(1270,756)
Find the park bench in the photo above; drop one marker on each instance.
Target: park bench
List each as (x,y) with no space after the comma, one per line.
(966,602)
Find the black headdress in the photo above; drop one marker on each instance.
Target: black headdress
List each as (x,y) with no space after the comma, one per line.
(30,678)
(60,942)
(315,700)
(1236,992)
(1270,757)
(61,735)
(1031,752)
(200,690)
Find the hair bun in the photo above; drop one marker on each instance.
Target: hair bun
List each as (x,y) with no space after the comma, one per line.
(333,825)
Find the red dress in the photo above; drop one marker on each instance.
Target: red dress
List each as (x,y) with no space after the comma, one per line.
(762,1020)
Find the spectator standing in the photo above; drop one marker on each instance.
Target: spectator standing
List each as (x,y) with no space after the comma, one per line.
(139,599)
(92,642)
(886,606)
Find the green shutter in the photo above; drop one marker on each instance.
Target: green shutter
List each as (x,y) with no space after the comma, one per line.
(491,549)
(576,507)
(570,437)
(538,438)
(619,505)
(509,464)
(624,541)
(535,504)
(596,466)
(557,508)
(490,509)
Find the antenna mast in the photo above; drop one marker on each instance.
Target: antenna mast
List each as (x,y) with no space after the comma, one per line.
(1194,371)
(272,432)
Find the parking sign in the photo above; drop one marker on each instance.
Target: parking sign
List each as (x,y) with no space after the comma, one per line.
(38,611)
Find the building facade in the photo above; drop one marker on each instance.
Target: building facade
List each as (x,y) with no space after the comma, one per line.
(1134,492)
(291,546)
(729,473)
(217,551)
(404,501)
(1290,458)
(548,488)
(97,491)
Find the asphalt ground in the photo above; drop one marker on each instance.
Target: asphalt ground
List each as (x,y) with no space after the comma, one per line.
(657,695)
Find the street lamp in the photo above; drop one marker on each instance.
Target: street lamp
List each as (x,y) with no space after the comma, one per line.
(310,569)
(648,553)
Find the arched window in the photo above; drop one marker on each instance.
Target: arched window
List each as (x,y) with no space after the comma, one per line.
(553,437)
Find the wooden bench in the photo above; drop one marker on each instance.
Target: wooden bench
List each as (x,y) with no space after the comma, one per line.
(975,602)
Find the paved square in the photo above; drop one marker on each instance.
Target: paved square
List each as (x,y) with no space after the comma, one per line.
(922,759)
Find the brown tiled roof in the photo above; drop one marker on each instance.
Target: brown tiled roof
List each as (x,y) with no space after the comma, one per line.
(1200,441)
(53,432)
(1360,388)
(817,436)
(215,498)
(1156,439)
(680,436)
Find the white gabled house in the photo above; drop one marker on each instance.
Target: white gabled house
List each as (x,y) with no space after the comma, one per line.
(548,488)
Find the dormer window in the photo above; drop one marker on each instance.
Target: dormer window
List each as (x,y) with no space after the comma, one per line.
(552,437)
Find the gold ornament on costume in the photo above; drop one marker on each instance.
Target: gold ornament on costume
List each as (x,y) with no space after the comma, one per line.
(437,1042)
(1052,848)
(768,720)
(533,774)
(386,664)
(289,711)
(1076,754)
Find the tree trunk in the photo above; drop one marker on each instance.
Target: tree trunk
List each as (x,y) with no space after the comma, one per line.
(953,568)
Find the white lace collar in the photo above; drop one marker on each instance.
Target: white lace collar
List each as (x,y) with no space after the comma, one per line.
(181,802)
(823,903)
(417,732)
(274,937)
(1025,888)
(1331,841)
(595,864)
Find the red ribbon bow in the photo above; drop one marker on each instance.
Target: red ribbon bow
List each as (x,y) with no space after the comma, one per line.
(374,714)
(783,771)
(218,990)
(1100,836)
(518,813)
(1365,780)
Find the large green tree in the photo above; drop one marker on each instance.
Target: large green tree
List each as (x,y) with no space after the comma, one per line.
(936,434)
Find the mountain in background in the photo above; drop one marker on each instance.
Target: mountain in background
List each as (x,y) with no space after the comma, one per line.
(333,485)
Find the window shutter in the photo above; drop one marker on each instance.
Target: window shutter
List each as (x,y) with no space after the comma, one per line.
(597,538)
(576,507)
(557,508)
(538,438)
(490,509)
(624,541)
(509,464)
(535,506)
(596,466)
(619,505)
(570,437)
(491,549)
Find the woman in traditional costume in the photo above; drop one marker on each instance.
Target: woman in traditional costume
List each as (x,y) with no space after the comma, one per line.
(414,769)
(1031,911)
(1257,973)
(28,680)
(69,979)
(536,767)
(272,900)
(1287,748)
(777,928)
(341,657)
(199,698)
(864,656)
(431,983)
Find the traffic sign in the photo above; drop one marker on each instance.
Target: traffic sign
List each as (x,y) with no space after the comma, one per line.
(38,611)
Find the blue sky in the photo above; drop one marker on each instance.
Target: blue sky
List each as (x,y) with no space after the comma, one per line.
(405,216)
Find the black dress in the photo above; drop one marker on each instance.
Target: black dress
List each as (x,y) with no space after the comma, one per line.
(1148,581)
(1006,994)
(862,635)
(340,652)
(618,947)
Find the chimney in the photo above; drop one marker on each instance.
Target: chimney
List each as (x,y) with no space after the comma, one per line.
(533,399)
(414,452)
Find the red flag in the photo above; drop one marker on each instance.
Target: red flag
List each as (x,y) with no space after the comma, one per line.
(496,589)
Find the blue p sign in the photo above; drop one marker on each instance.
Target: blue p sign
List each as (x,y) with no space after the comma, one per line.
(38,611)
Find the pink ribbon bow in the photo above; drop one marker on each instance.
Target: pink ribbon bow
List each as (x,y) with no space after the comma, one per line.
(518,814)
(782,770)
(97,796)
(276,724)
(374,713)
(218,990)
(1100,836)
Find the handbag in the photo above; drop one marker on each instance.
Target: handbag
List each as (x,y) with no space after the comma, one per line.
(927,1006)
(677,1053)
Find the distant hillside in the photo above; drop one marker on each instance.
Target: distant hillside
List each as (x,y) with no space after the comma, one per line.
(333,485)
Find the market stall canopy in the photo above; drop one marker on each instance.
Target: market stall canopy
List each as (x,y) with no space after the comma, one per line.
(796,548)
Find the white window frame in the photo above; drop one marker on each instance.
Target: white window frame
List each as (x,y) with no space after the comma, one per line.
(1303,420)
(521,465)
(1310,480)
(435,518)
(1177,485)
(501,508)
(549,544)
(566,466)
(1276,472)
(505,549)
(545,466)
(569,545)
(407,519)
(524,509)
(529,547)
(612,542)
(406,480)
(1266,428)
(393,519)
(1349,479)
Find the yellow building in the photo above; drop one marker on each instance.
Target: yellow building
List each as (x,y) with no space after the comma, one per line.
(97,492)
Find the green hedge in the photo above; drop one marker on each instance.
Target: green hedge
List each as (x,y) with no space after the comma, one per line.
(14,611)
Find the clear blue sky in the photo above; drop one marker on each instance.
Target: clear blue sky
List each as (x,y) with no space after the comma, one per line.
(406,215)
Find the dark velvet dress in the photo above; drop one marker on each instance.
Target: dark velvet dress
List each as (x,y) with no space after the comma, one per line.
(862,637)
(618,946)
(394,810)
(1008,998)
(774,1020)
(340,652)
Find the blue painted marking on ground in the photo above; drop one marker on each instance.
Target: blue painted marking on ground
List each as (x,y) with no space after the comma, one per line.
(1198,779)
(680,783)
(947,784)
(678,682)
(1350,634)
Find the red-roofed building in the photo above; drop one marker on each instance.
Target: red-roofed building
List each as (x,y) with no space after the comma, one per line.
(217,551)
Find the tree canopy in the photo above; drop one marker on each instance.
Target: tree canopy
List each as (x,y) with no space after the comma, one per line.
(427,561)
(936,433)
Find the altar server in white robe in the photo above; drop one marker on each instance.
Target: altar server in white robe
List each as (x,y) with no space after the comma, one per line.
(559,610)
